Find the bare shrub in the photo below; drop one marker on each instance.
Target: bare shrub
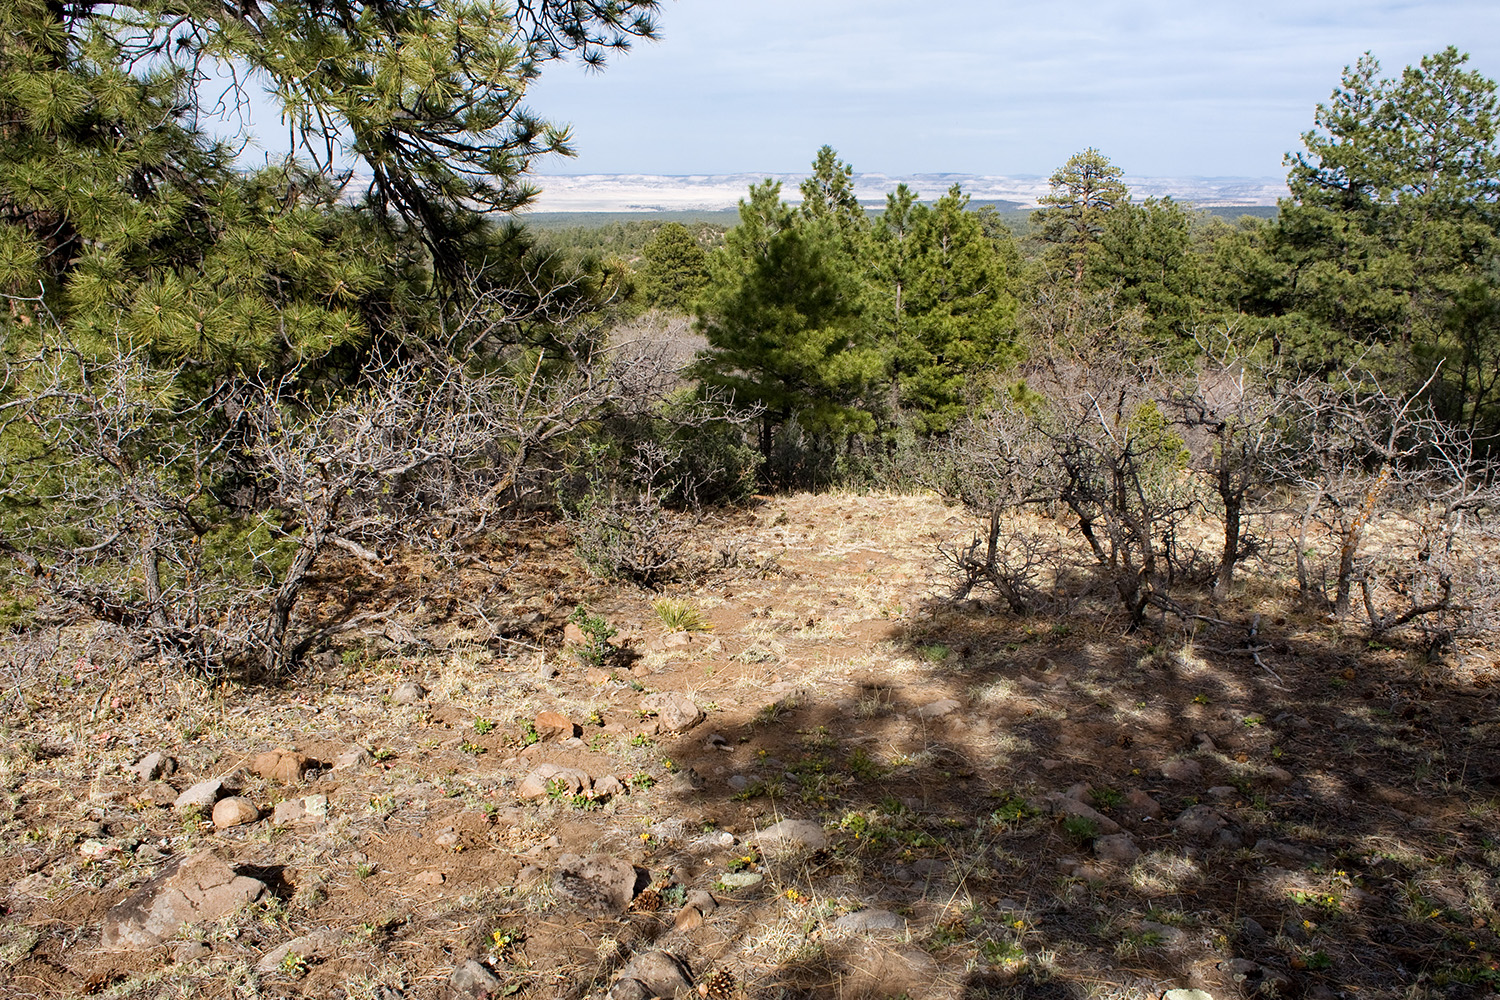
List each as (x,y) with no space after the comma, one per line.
(194,521)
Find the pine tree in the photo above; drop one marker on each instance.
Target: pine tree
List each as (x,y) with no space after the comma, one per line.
(1084,190)
(946,316)
(674,268)
(781,314)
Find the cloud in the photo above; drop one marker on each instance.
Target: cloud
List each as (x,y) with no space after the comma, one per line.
(1164,87)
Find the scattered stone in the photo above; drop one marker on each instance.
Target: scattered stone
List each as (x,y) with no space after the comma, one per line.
(703,901)
(1061,805)
(675,711)
(573,635)
(408,693)
(553,726)
(159,793)
(472,980)
(94,849)
(446,838)
(234,811)
(201,888)
(1187,995)
(201,796)
(792,833)
(1182,769)
(540,782)
(1251,929)
(190,951)
(1200,821)
(1167,936)
(740,880)
(1203,741)
(352,759)
(1289,854)
(1142,805)
(1223,792)
(864,921)
(1279,777)
(597,883)
(320,942)
(738,782)
(153,766)
(661,973)
(937,709)
(1119,847)
(431,878)
(308,810)
(684,782)
(1051,764)
(285,766)
(1080,792)
(608,787)
(1241,969)
(628,989)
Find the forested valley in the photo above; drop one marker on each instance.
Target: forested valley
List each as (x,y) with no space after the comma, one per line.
(911,600)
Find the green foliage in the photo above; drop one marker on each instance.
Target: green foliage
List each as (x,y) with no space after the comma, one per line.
(1144,252)
(1386,252)
(1084,191)
(674,268)
(941,306)
(595,649)
(781,314)
(680,616)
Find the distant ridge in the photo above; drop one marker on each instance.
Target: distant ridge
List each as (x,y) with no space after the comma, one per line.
(655,193)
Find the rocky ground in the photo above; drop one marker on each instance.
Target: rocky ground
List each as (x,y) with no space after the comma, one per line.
(832,784)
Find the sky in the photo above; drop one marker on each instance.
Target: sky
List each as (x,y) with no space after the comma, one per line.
(1164,88)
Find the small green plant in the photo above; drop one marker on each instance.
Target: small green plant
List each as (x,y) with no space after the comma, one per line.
(1002,952)
(293,964)
(1200,699)
(483,726)
(933,653)
(862,765)
(382,754)
(595,649)
(1081,828)
(641,780)
(680,616)
(1106,797)
(364,870)
(470,747)
(529,735)
(1011,809)
(641,740)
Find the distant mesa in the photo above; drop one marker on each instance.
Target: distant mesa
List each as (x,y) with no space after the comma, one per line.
(648,193)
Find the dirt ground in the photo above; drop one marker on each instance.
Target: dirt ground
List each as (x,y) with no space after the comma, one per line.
(1007,806)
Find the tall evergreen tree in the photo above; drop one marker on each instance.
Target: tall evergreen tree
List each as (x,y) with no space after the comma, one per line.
(1144,252)
(674,268)
(942,306)
(1083,191)
(782,316)
(1386,252)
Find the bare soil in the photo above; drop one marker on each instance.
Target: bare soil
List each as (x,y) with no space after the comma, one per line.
(1349,791)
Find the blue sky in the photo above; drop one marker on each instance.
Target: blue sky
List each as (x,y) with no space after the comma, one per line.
(1163,87)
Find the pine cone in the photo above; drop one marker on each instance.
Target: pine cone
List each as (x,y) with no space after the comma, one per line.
(649,901)
(720,986)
